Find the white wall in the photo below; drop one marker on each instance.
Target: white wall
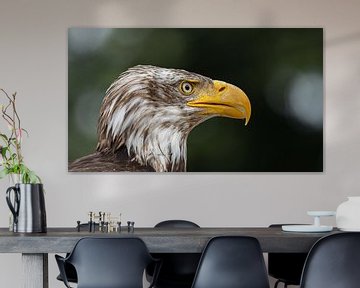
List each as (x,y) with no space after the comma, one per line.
(33,62)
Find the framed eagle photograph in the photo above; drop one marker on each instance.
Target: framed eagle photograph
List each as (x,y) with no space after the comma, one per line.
(195,100)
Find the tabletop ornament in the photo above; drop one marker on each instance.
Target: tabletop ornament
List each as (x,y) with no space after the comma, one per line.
(315,227)
(104,222)
(25,197)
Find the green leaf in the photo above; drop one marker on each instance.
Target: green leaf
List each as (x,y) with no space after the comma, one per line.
(3,151)
(4,173)
(33,177)
(22,168)
(27,133)
(11,170)
(14,156)
(5,138)
(28,176)
(15,169)
(24,178)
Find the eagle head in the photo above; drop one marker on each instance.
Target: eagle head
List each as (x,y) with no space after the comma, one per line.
(150,111)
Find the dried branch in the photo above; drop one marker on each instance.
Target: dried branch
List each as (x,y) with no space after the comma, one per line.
(10,152)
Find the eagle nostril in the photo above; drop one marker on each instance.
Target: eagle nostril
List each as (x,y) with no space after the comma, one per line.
(222,89)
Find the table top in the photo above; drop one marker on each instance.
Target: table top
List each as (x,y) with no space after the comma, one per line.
(158,240)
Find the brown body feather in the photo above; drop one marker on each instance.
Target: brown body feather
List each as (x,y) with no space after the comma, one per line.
(108,162)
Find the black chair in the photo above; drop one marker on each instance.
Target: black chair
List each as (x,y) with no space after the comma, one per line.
(108,263)
(333,262)
(286,267)
(69,269)
(176,224)
(178,269)
(70,273)
(232,262)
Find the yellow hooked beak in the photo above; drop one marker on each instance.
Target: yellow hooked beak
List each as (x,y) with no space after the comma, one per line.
(223,99)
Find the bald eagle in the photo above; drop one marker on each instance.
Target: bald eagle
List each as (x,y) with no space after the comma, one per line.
(148,113)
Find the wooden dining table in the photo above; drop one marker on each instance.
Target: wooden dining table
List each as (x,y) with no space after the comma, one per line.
(35,247)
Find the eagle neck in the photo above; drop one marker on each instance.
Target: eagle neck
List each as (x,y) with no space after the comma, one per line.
(157,137)
(164,148)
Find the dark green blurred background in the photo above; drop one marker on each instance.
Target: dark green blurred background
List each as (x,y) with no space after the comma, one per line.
(281,70)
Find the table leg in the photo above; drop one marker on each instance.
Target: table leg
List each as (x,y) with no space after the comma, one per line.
(35,270)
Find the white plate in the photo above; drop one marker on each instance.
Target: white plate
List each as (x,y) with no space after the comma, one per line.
(306,228)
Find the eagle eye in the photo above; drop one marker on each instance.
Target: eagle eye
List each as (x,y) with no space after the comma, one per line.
(186,87)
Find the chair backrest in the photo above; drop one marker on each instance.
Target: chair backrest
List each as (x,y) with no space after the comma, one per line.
(176,224)
(178,269)
(333,262)
(232,262)
(110,262)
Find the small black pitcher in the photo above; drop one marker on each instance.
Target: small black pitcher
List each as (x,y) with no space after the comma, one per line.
(28,208)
